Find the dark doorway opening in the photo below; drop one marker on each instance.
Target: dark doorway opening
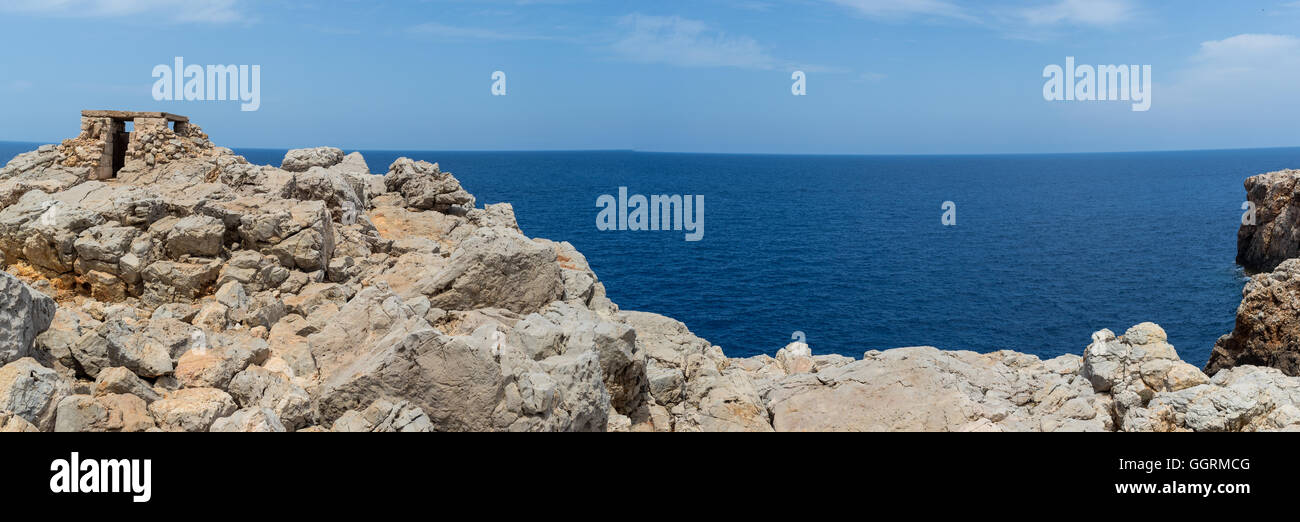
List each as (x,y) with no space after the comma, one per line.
(121,137)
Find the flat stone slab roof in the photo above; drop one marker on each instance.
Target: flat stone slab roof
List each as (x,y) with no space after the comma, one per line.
(131,115)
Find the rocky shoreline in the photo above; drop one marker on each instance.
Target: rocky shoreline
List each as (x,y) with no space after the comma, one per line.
(193,291)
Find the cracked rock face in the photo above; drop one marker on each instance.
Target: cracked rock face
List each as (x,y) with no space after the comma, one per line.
(1246,398)
(496,267)
(424,186)
(1275,234)
(32,392)
(926,389)
(24,314)
(250,420)
(203,293)
(1267,330)
(108,412)
(302,160)
(385,416)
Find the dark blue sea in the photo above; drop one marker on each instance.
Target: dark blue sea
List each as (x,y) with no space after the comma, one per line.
(851,251)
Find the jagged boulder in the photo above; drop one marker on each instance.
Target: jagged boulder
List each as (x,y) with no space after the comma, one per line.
(110,412)
(477,379)
(1137,365)
(581,286)
(68,326)
(926,389)
(796,357)
(384,416)
(262,388)
(368,317)
(173,281)
(32,391)
(691,384)
(1274,235)
(717,398)
(424,186)
(192,409)
(366,185)
(456,382)
(120,343)
(24,314)
(215,363)
(299,234)
(198,236)
(355,164)
(1245,398)
(301,160)
(42,228)
(120,380)
(102,247)
(11,423)
(250,420)
(563,328)
(36,160)
(1267,330)
(496,268)
(254,270)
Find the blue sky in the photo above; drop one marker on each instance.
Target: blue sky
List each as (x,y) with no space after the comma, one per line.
(883,76)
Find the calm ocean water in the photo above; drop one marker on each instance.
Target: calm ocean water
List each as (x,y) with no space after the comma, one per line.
(850,249)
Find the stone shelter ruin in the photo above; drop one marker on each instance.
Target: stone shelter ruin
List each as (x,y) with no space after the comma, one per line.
(105,145)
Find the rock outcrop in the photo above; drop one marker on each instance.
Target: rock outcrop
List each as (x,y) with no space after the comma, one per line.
(195,291)
(24,314)
(1267,328)
(1274,235)
(384,416)
(32,392)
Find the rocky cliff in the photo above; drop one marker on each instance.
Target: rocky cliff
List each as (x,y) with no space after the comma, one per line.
(208,294)
(1267,329)
(1273,236)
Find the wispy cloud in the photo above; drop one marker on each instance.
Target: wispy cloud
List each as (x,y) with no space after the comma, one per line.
(1079,12)
(1247,75)
(213,11)
(907,8)
(1030,22)
(683,42)
(459,32)
(1251,50)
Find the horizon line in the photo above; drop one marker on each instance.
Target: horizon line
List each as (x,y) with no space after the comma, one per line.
(810,154)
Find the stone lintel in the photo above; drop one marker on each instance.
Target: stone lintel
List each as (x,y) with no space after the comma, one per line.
(131,115)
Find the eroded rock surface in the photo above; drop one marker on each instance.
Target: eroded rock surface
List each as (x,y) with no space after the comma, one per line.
(1267,330)
(24,314)
(1274,236)
(198,292)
